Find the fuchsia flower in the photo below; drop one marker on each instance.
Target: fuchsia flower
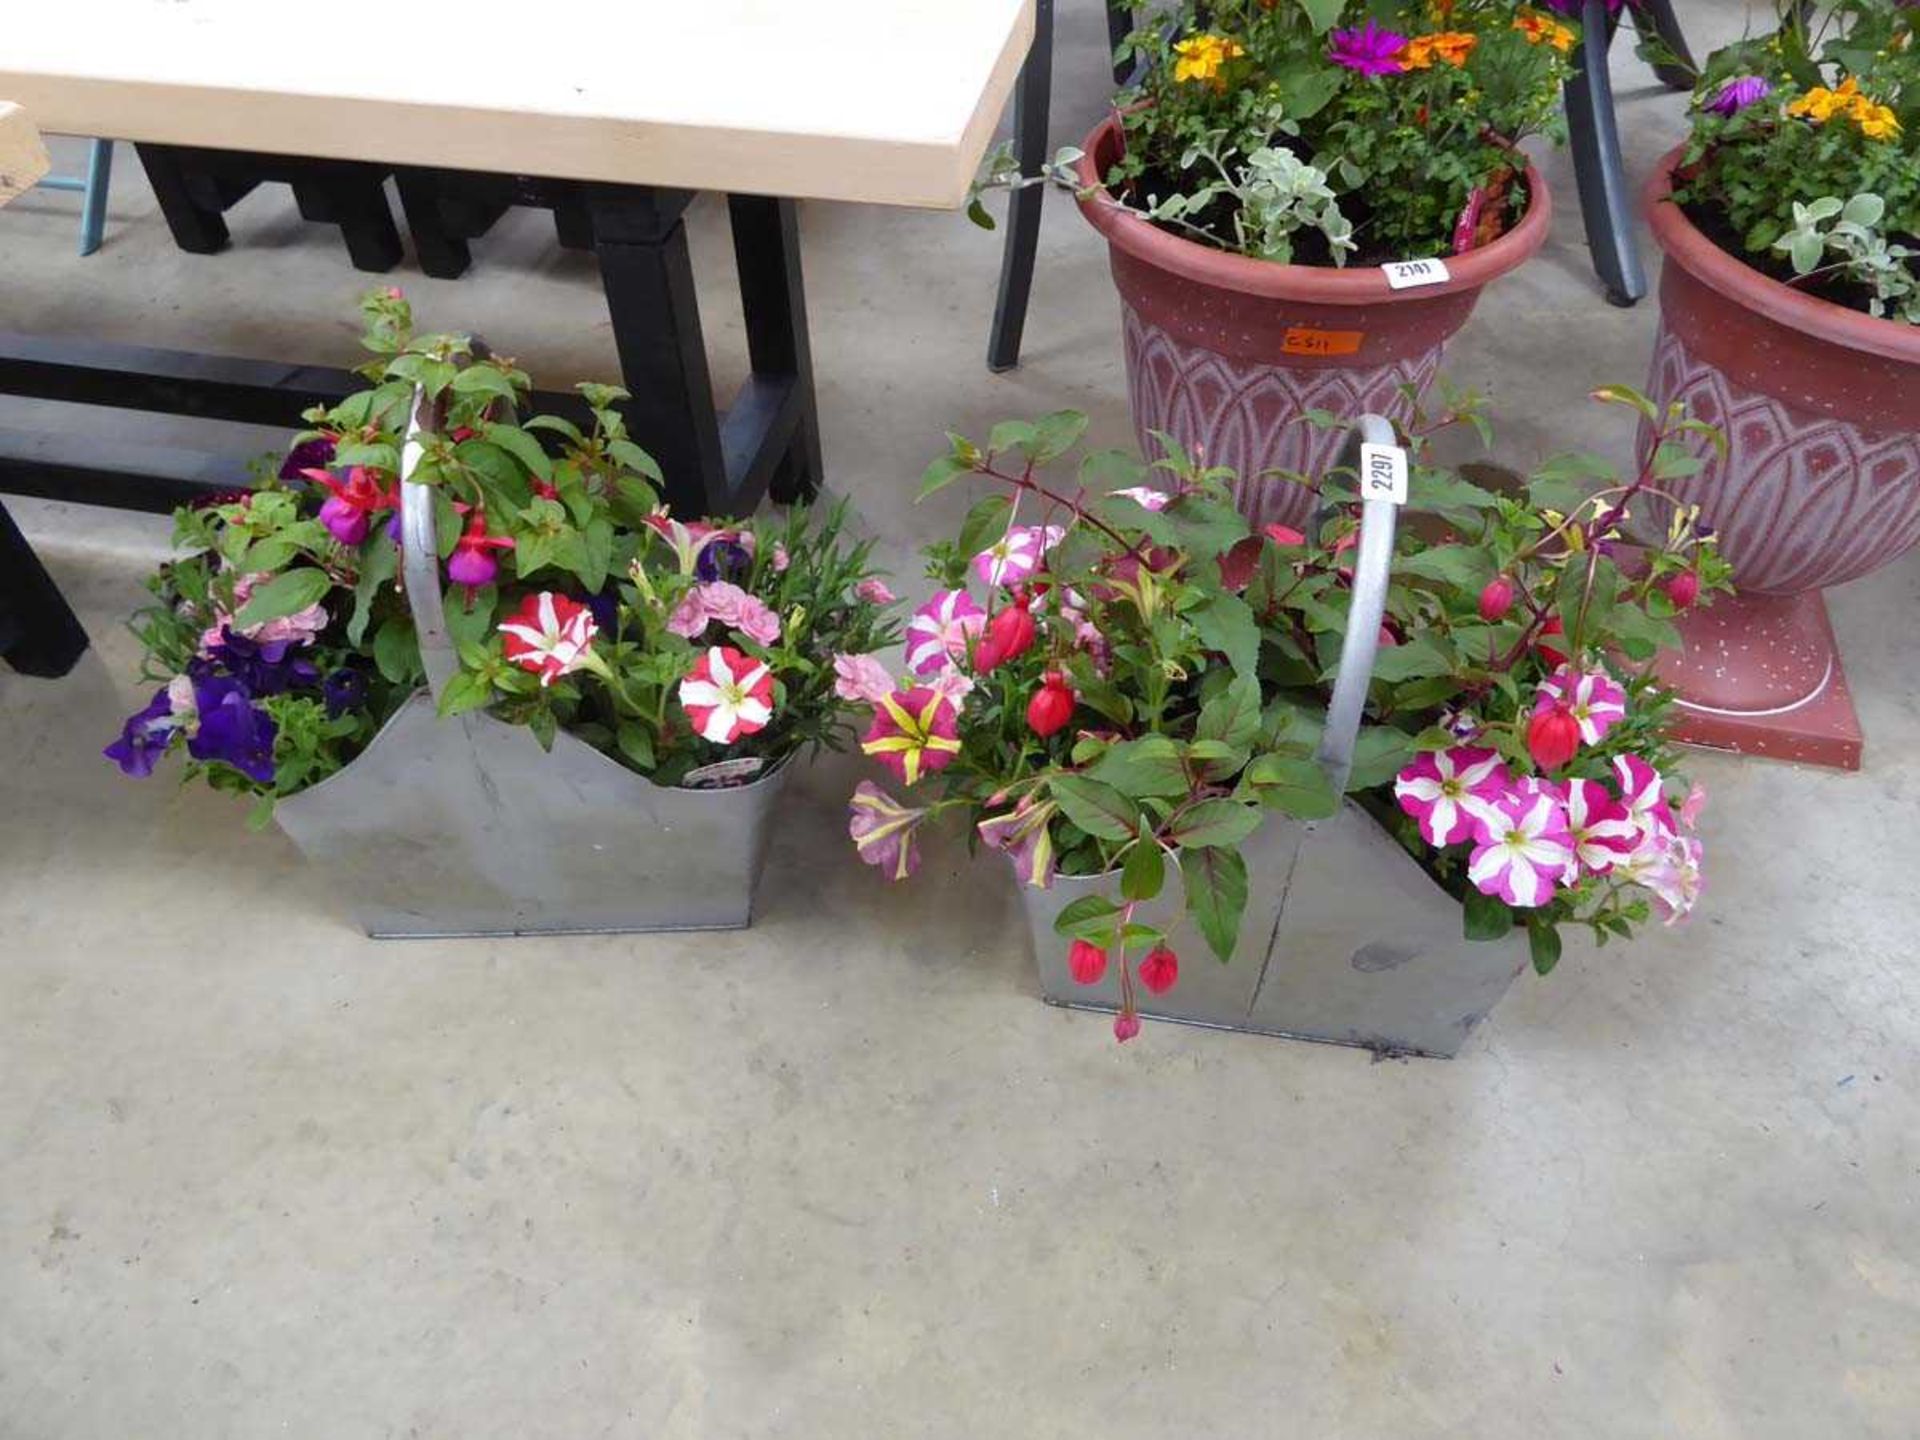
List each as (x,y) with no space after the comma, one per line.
(1454,794)
(942,631)
(727,695)
(1523,857)
(874,592)
(1145,496)
(883,831)
(551,636)
(1594,700)
(1369,50)
(1016,554)
(861,677)
(914,732)
(470,564)
(1602,832)
(348,512)
(1022,834)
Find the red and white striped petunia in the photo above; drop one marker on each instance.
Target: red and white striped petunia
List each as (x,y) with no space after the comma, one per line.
(551,636)
(727,695)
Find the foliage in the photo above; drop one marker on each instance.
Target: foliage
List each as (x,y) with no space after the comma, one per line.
(1824,106)
(1197,660)
(287,611)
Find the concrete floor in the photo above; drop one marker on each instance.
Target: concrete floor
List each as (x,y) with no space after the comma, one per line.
(843,1175)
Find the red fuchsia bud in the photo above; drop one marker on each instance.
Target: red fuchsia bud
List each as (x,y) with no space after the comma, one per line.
(1553,737)
(1051,706)
(1387,637)
(1160,970)
(1682,589)
(1087,962)
(1496,599)
(1008,634)
(1126,1025)
(1552,654)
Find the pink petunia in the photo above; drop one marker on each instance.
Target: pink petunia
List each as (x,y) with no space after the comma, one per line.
(1603,833)
(689,617)
(731,606)
(1016,554)
(1523,859)
(952,684)
(1668,866)
(883,830)
(1454,794)
(1594,700)
(1691,807)
(300,628)
(942,631)
(874,592)
(861,677)
(914,732)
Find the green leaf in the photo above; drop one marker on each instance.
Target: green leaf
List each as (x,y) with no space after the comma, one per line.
(1380,752)
(469,625)
(1543,940)
(1225,623)
(1010,435)
(465,691)
(944,470)
(1098,809)
(986,522)
(1323,13)
(395,650)
(1145,871)
(285,594)
(1112,470)
(1217,759)
(1438,492)
(523,447)
(1233,715)
(636,459)
(1216,886)
(1054,435)
(1150,765)
(1487,918)
(1628,396)
(1417,656)
(484,380)
(1294,785)
(1091,917)
(1204,528)
(379,559)
(636,743)
(1467,567)
(1215,822)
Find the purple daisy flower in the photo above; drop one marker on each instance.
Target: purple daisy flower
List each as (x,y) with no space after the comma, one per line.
(1737,94)
(1369,50)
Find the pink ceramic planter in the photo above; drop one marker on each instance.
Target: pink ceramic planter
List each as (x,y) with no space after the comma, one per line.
(1227,353)
(1821,484)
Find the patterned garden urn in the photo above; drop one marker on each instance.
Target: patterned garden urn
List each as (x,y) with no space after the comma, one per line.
(1227,354)
(1820,484)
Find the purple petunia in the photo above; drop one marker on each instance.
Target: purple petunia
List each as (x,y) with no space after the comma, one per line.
(1369,50)
(264,667)
(144,738)
(313,454)
(232,730)
(722,559)
(345,689)
(1737,94)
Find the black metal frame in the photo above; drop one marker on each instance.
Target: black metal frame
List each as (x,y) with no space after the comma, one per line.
(715,462)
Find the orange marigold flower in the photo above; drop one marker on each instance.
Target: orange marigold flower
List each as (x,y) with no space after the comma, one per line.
(1543,30)
(1452,46)
(1821,104)
(1876,122)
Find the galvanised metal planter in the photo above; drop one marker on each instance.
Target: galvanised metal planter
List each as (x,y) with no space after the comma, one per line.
(1345,938)
(465,826)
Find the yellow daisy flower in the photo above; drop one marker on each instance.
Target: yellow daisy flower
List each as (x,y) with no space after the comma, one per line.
(1201,57)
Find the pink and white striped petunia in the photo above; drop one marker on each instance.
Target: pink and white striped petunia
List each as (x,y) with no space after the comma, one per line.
(942,631)
(1524,858)
(1592,697)
(1016,554)
(551,636)
(1642,792)
(1675,879)
(1145,496)
(1454,794)
(727,695)
(1603,833)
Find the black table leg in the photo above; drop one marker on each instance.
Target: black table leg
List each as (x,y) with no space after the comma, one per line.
(441,253)
(1119,26)
(39,633)
(1030,105)
(1605,204)
(766,247)
(641,241)
(197,228)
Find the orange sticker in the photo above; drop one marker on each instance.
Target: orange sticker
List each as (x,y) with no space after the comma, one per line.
(1306,340)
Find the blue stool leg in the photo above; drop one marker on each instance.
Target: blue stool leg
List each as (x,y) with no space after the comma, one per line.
(93,214)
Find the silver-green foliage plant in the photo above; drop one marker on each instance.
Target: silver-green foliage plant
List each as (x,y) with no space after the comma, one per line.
(1850,232)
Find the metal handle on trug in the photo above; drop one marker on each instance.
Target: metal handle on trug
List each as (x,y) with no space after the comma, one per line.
(1371,572)
(420,564)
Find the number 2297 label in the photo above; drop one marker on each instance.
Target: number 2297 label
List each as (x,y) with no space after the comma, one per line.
(1383,473)
(1406,274)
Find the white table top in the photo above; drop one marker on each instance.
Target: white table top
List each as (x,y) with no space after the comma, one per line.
(887,101)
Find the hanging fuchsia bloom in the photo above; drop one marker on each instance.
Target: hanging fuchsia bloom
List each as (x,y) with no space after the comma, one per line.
(1642,793)
(1602,832)
(727,695)
(1369,50)
(470,564)
(874,592)
(1016,554)
(551,636)
(1454,794)
(861,677)
(1594,700)
(1523,858)
(1145,496)
(883,831)
(914,732)
(1737,94)
(1023,835)
(942,631)
(348,513)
